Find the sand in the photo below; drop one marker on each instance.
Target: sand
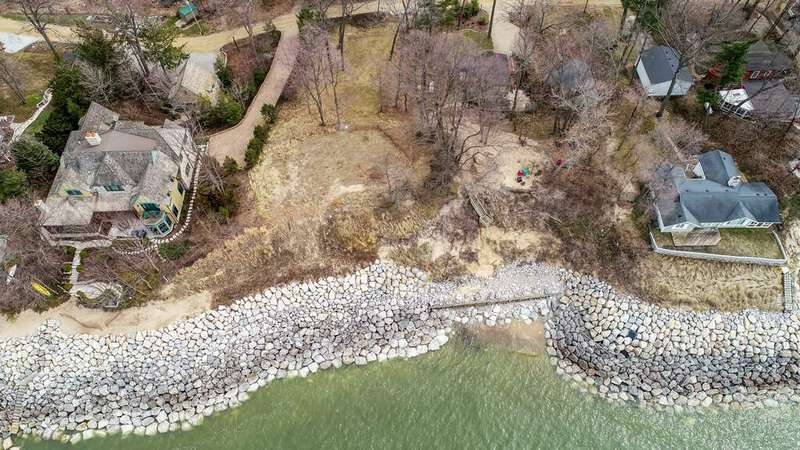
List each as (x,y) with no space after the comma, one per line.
(78,320)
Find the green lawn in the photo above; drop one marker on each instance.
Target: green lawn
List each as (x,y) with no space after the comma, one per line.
(195,29)
(34,71)
(734,242)
(480,38)
(39,122)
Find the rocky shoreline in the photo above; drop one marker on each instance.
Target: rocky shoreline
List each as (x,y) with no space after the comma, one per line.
(627,350)
(75,387)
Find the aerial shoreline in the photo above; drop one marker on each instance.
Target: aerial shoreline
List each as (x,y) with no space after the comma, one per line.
(82,386)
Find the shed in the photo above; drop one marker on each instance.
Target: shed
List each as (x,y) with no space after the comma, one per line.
(656,67)
(188,12)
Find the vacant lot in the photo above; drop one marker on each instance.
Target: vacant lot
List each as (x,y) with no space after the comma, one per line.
(321,196)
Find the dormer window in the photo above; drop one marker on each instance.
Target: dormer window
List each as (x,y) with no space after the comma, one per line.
(113,188)
(74,192)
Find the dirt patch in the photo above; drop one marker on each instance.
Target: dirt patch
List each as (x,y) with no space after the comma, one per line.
(240,59)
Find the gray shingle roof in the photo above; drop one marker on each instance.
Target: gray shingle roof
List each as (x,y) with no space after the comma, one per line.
(660,63)
(771,98)
(139,158)
(761,57)
(570,75)
(710,199)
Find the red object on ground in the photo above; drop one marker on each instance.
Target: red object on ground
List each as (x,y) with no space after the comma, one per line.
(520,174)
(559,162)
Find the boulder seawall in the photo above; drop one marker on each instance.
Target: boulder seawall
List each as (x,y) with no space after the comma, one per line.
(628,350)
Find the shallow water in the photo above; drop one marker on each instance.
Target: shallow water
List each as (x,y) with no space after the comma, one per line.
(463,396)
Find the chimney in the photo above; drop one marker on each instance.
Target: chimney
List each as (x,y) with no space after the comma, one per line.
(92,138)
(735,181)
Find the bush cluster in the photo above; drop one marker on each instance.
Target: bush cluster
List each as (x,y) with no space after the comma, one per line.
(260,135)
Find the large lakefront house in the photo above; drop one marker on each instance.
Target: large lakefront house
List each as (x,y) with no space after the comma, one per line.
(712,194)
(119,179)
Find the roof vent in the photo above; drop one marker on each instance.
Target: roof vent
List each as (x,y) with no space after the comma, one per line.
(735,181)
(92,138)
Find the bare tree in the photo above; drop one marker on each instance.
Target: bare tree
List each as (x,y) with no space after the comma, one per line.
(99,84)
(8,74)
(37,262)
(447,83)
(689,26)
(244,9)
(311,72)
(128,25)
(407,11)
(38,14)
(348,8)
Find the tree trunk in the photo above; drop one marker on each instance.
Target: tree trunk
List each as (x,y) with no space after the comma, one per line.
(672,83)
(777,21)
(491,19)
(624,16)
(11,81)
(586,7)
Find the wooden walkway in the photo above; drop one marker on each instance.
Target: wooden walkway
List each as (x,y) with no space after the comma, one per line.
(482,303)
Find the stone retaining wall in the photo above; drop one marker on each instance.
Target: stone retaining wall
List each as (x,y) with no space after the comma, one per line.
(625,349)
(76,387)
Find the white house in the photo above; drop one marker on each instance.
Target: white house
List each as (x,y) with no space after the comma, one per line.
(656,67)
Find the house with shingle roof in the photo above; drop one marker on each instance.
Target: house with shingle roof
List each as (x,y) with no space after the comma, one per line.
(710,194)
(119,179)
(657,66)
(195,79)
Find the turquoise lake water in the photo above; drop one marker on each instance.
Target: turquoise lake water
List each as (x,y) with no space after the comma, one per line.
(461,397)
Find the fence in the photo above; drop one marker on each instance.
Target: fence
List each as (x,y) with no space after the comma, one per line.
(722,258)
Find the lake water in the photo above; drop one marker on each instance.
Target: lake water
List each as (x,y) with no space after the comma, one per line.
(461,397)
(16,42)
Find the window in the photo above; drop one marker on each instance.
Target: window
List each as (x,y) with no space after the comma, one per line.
(168,220)
(74,192)
(754,74)
(113,188)
(175,210)
(180,188)
(150,207)
(162,227)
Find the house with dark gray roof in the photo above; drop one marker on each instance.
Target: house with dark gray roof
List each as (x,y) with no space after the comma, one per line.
(119,179)
(712,194)
(768,99)
(764,63)
(656,67)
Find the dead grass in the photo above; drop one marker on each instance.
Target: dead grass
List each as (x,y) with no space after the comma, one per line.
(736,242)
(34,71)
(322,200)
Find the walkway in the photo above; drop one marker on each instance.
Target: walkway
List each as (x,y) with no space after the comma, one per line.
(504,33)
(19,128)
(233,141)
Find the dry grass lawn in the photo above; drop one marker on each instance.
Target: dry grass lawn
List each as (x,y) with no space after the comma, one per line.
(34,71)
(320,195)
